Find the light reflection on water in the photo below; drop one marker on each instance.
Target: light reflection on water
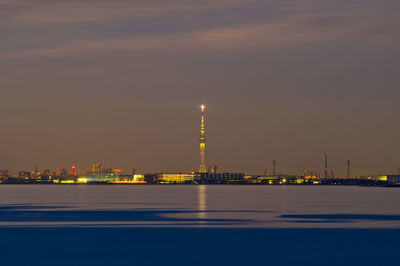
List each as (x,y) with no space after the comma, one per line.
(200,205)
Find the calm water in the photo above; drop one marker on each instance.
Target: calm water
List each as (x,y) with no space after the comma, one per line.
(49,225)
(201,206)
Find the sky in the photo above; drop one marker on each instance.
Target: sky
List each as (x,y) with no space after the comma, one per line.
(121,82)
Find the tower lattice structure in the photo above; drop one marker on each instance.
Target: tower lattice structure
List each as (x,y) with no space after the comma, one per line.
(202,168)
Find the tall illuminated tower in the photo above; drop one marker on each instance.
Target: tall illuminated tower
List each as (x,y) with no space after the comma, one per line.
(202,168)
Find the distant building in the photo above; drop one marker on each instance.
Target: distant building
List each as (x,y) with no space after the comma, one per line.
(393,179)
(4,174)
(219,178)
(24,174)
(179,178)
(388,178)
(194,178)
(168,178)
(101,178)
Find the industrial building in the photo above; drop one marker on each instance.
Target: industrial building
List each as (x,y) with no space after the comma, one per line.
(395,179)
(194,178)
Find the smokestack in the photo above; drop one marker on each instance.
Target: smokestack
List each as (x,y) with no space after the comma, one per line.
(348,167)
(326,166)
(274,167)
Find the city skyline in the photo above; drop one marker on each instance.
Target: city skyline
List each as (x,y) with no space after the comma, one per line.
(105,82)
(272,169)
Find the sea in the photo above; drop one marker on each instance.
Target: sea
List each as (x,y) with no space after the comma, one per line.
(199,225)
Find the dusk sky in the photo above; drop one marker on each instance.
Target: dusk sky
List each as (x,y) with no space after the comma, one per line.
(121,82)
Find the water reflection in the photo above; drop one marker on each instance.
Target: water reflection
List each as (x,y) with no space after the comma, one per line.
(283,208)
(202,203)
(199,206)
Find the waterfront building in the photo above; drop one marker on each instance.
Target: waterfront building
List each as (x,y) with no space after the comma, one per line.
(219,178)
(194,178)
(387,178)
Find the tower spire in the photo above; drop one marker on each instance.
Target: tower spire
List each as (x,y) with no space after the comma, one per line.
(202,168)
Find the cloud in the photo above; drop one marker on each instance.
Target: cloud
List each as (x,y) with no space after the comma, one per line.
(10,8)
(62,11)
(288,33)
(232,37)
